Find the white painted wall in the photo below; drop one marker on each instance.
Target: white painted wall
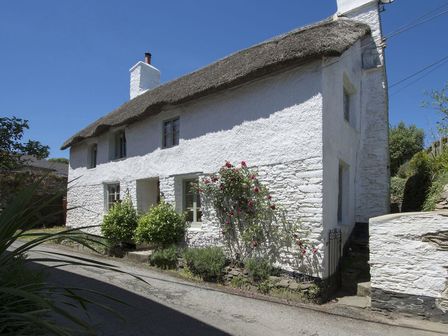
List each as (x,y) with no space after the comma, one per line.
(341,139)
(275,124)
(372,186)
(401,261)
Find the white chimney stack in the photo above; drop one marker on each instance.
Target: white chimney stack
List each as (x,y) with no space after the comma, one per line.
(345,6)
(144,77)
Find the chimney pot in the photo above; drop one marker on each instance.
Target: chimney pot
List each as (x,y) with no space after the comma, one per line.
(148,58)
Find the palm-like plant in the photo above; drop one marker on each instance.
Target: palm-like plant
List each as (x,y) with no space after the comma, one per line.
(28,303)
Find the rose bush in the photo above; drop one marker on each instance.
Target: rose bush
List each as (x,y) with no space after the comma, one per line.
(252,224)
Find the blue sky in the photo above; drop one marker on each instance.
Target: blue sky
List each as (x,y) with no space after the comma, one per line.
(63,64)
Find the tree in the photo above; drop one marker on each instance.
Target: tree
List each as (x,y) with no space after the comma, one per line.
(439,101)
(404,142)
(12,147)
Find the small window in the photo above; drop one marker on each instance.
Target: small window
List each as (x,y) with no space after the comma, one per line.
(347,105)
(192,201)
(170,133)
(112,195)
(93,150)
(120,145)
(343,186)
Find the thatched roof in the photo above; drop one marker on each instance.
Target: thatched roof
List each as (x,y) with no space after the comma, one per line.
(324,39)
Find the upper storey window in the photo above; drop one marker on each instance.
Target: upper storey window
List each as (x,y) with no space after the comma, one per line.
(93,151)
(349,102)
(347,105)
(170,133)
(120,145)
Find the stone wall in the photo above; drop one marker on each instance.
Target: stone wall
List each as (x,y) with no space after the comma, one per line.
(409,263)
(297,187)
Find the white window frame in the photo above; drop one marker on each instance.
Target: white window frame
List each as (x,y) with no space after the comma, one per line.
(112,190)
(197,208)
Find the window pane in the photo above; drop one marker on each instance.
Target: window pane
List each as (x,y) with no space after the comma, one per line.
(346,105)
(189,216)
(199,215)
(113,194)
(175,132)
(189,200)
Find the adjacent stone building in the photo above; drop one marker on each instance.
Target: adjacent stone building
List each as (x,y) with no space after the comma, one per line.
(307,109)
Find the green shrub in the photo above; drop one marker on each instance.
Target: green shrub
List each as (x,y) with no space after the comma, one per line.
(418,184)
(435,191)
(397,185)
(439,163)
(208,262)
(259,269)
(165,258)
(162,225)
(239,282)
(404,171)
(120,222)
(264,287)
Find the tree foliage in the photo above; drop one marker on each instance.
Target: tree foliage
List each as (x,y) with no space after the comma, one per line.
(12,147)
(439,102)
(59,160)
(404,142)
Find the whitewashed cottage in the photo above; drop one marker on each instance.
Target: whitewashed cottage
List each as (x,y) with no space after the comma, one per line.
(307,109)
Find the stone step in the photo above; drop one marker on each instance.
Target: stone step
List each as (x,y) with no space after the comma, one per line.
(139,256)
(355,301)
(364,289)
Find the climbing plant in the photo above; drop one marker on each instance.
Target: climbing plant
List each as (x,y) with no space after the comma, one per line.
(251,223)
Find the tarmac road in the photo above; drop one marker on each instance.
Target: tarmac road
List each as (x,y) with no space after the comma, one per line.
(167,305)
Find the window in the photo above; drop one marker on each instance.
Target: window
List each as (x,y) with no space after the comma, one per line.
(112,194)
(192,201)
(343,186)
(347,105)
(120,145)
(170,133)
(93,150)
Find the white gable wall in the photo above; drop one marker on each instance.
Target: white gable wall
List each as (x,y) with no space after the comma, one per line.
(341,139)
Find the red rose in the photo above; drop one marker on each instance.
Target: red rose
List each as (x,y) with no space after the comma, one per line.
(315,250)
(253,177)
(228,164)
(303,252)
(250,204)
(243,164)
(269,197)
(256,190)
(273,206)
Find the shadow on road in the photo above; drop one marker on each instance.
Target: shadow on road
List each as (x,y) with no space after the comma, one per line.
(142,315)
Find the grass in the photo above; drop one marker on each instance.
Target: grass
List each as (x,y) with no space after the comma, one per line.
(38,232)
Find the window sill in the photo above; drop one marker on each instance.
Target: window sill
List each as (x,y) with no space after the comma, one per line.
(197,226)
(118,160)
